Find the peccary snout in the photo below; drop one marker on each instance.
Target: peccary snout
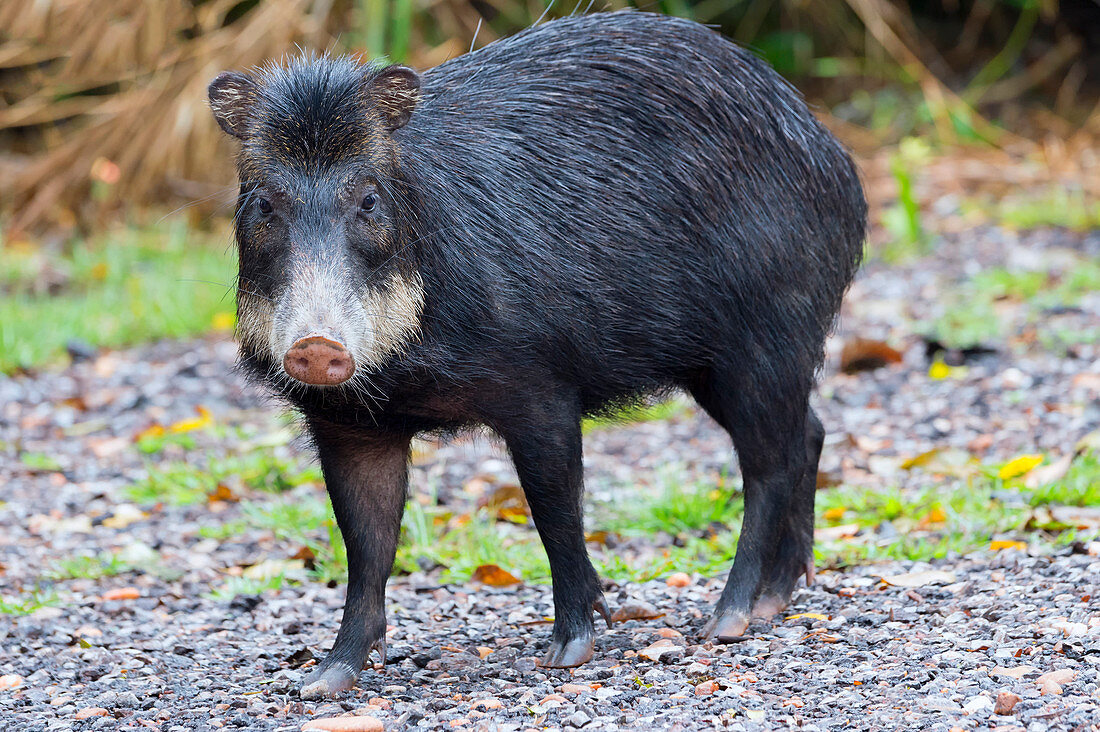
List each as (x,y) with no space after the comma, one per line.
(319,361)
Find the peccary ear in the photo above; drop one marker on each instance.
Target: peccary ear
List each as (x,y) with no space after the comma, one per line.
(395,90)
(231,96)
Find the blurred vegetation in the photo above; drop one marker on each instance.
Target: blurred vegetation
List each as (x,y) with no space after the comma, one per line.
(673,523)
(134,286)
(103,110)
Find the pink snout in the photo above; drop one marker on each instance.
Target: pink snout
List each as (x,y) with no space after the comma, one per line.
(319,361)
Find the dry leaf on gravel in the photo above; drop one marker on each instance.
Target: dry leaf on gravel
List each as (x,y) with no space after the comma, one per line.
(998,544)
(494,576)
(1045,474)
(864,354)
(1018,466)
(832,533)
(89,712)
(122,593)
(920,579)
(272,568)
(123,515)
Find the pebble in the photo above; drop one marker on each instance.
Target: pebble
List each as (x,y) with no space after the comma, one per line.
(1006,702)
(678,579)
(343,724)
(89,712)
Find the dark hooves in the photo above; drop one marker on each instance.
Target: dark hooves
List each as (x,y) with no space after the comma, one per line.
(328,680)
(325,683)
(726,628)
(566,655)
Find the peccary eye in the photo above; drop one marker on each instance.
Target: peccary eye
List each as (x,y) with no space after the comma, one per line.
(264,205)
(369,204)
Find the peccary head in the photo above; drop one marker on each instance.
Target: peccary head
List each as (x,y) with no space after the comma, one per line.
(326,288)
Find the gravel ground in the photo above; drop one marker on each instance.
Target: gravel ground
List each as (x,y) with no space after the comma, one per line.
(930,651)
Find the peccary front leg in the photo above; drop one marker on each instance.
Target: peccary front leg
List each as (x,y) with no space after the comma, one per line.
(367,477)
(546,449)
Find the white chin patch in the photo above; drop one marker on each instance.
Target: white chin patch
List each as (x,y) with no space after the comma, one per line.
(392,310)
(380,322)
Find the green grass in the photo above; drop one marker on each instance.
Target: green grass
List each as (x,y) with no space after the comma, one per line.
(972,316)
(675,524)
(126,287)
(27,603)
(1060,207)
(957,515)
(264,466)
(86,567)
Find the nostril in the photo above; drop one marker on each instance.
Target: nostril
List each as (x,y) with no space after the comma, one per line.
(319,360)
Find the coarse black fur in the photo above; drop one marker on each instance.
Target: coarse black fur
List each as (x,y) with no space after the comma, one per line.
(598,208)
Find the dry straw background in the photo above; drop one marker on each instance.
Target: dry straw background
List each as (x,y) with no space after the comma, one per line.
(103,108)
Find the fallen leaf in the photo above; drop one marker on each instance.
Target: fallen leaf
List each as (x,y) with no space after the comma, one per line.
(834,514)
(864,354)
(635,611)
(153,430)
(299,658)
(1079,517)
(832,533)
(603,538)
(123,515)
(122,593)
(935,516)
(484,651)
(576,689)
(494,576)
(190,425)
(939,370)
(222,492)
(223,321)
(1019,466)
(809,616)
(272,568)
(999,544)
(89,712)
(920,579)
(1045,474)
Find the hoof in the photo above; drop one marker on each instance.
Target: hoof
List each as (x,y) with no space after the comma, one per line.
(567,655)
(726,628)
(325,683)
(768,605)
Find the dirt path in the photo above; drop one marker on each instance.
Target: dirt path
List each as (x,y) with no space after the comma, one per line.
(934,655)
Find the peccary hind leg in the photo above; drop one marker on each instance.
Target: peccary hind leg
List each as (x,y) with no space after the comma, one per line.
(794,551)
(367,477)
(547,454)
(774,547)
